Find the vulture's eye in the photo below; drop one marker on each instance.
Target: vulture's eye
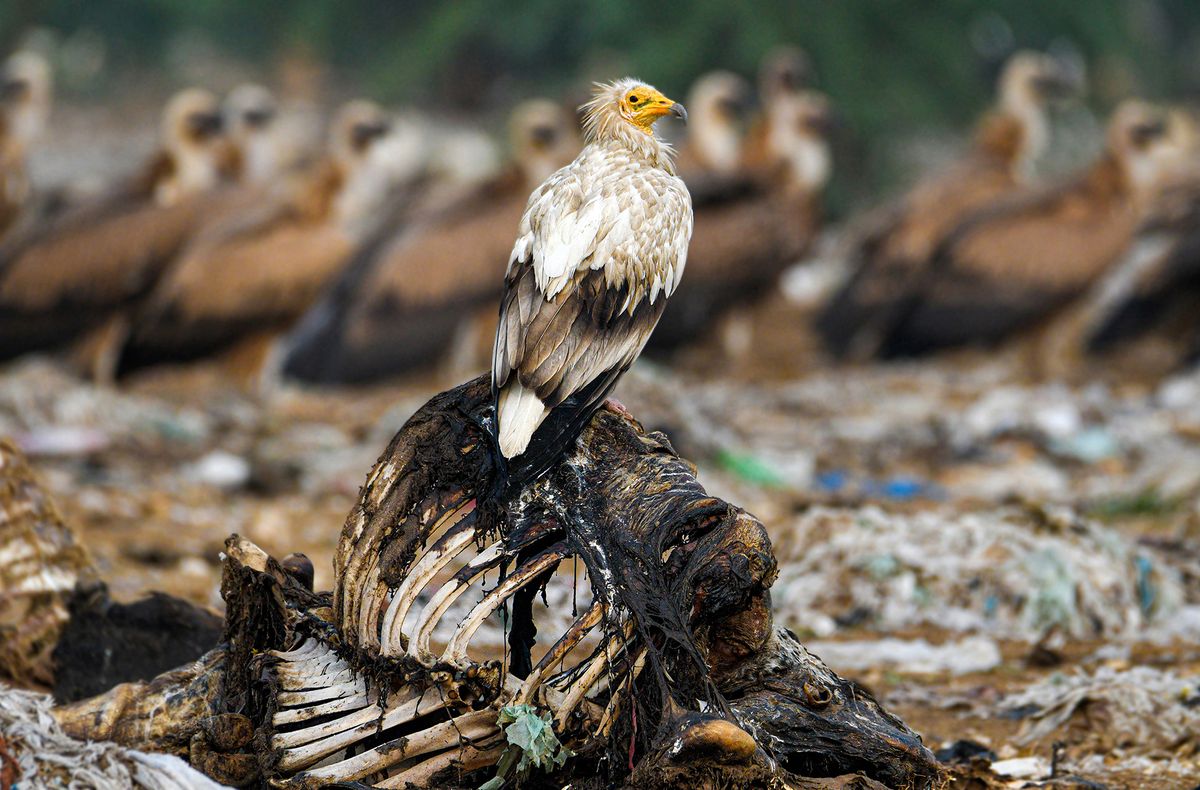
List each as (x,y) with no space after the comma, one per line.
(633,98)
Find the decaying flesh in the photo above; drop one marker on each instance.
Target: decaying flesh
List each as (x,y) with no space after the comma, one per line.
(672,672)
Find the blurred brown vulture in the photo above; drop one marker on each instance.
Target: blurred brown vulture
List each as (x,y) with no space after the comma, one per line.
(1008,266)
(67,275)
(250,113)
(896,243)
(253,275)
(25,97)
(764,220)
(714,149)
(785,70)
(1149,303)
(406,300)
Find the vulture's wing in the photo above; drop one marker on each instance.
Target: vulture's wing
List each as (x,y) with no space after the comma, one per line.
(219,293)
(891,248)
(66,282)
(1008,266)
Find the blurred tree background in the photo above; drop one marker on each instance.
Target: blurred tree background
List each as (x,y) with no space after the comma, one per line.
(893,66)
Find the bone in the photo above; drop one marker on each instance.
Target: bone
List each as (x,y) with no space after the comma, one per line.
(604,657)
(449,546)
(445,596)
(466,759)
(353,688)
(308,648)
(370,715)
(358,552)
(369,620)
(614,702)
(301,681)
(297,715)
(316,664)
(471,726)
(582,626)
(456,649)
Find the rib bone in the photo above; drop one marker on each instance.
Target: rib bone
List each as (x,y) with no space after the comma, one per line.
(456,650)
(582,626)
(446,595)
(471,726)
(449,546)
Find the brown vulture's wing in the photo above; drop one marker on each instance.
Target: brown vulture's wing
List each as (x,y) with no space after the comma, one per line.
(893,247)
(1009,266)
(70,280)
(219,293)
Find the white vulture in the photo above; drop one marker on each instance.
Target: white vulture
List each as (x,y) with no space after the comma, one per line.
(601,247)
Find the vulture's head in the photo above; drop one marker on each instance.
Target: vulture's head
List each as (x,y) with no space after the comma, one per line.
(356,126)
(192,121)
(26,89)
(1032,80)
(627,105)
(784,71)
(798,129)
(1141,138)
(543,137)
(249,111)
(720,101)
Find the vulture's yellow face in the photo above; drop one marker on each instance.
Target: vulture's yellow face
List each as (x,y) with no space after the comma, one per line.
(642,105)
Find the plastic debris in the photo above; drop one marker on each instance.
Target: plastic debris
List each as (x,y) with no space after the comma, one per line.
(1141,710)
(1008,572)
(1022,768)
(62,440)
(748,468)
(912,656)
(48,757)
(531,744)
(1090,445)
(221,469)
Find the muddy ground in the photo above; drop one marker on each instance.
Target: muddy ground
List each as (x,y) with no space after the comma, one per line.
(1013,567)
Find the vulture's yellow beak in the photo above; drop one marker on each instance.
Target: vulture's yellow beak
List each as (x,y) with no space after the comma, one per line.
(646,105)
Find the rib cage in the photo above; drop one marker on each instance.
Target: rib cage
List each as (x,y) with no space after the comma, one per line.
(445,713)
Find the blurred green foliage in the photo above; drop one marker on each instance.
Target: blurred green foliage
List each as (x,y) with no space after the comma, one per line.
(891,65)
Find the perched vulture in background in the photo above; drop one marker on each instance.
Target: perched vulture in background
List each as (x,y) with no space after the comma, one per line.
(1153,292)
(408,299)
(25,96)
(713,156)
(254,275)
(1008,266)
(785,70)
(898,241)
(763,219)
(250,113)
(68,275)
